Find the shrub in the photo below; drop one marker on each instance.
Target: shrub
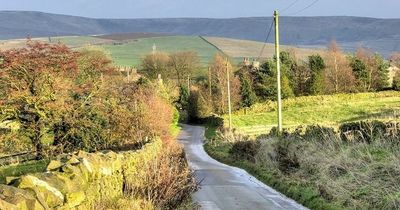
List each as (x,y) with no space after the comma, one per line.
(286,156)
(75,100)
(362,131)
(199,108)
(246,150)
(319,133)
(315,167)
(35,87)
(168,180)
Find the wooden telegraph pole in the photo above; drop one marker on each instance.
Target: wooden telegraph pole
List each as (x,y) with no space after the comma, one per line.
(278,71)
(209,81)
(128,74)
(188,83)
(229,96)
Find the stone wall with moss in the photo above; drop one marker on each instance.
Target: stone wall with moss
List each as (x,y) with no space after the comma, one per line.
(78,181)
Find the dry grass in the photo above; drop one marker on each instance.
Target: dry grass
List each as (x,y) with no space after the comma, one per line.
(168,181)
(320,167)
(355,176)
(245,48)
(70,41)
(123,203)
(320,164)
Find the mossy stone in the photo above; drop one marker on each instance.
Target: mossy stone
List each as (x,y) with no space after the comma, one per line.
(51,195)
(54,165)
(75,198)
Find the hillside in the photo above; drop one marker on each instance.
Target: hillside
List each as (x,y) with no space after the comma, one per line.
(237,48)
(381,35)
(130,53)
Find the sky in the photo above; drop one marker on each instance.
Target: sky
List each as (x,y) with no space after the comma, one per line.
(207,8)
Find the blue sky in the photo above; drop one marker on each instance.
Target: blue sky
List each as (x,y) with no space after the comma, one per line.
(206,8)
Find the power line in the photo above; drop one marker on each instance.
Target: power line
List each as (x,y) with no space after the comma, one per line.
(310,5)
(266,39)
(272,22)
(288,7)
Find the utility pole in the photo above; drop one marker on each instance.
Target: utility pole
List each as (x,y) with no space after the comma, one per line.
(188,83)
(209,81)
(278,71)
(229,96)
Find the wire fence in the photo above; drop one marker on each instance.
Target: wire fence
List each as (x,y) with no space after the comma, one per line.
(17,158)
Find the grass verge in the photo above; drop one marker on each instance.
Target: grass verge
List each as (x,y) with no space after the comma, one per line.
(321,168)
(305,195)
(21,169)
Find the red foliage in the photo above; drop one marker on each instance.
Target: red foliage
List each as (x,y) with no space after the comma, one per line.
(41,57)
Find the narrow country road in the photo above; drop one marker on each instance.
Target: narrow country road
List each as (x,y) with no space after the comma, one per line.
(224,187)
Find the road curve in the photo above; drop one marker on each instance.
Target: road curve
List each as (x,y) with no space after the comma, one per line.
(225,187)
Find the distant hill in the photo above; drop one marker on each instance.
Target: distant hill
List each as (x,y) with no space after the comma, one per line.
(381,35)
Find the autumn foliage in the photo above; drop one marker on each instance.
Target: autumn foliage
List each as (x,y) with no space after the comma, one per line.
(62,100)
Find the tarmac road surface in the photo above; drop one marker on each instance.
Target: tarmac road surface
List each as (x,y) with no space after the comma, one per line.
(225,187)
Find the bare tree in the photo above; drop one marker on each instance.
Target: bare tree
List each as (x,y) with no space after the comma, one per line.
(219,84)
(338,74)
(376,69)
(183,64)
(395,59)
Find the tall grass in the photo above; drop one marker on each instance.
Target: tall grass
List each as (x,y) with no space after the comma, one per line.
(167,182)
(322,169)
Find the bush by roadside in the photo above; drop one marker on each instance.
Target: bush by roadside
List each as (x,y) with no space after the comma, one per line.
(321,169)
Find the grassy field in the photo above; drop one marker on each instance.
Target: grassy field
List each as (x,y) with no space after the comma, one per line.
(129,54)
(244,48)
(128,49)
(129,36)
(328,110)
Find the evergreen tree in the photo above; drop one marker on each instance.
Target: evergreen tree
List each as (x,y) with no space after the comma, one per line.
(381,76)
(183,97)
(317,66)
(360,72)
(246,90)
(266,83)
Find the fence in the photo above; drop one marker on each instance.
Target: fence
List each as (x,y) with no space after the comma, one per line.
(17,158)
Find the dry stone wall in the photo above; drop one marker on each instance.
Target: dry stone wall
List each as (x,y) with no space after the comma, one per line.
(78,181)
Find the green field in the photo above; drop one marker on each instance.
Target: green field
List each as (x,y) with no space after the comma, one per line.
(325,110)
(129,54)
